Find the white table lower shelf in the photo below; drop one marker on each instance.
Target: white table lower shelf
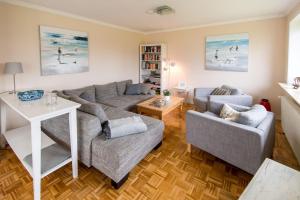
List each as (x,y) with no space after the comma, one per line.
(53,156)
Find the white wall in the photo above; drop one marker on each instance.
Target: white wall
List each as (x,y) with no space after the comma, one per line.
(294,50)
(113,53)
(267,58)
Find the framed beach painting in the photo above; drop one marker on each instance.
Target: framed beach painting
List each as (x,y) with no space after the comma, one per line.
(227,52)
(63,51)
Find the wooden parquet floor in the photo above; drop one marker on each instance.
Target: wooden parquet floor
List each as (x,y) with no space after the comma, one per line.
(167,173)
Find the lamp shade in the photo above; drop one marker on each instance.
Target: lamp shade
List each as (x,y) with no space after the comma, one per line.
(13,68)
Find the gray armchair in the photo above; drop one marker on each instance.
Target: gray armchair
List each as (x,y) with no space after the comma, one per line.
(240,145)
(203,97)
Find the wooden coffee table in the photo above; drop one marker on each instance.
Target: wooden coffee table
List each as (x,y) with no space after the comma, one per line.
(148,108)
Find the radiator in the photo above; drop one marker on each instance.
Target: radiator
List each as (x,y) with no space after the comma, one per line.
(290,119)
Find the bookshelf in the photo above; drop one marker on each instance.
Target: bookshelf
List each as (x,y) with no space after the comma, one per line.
(152,63)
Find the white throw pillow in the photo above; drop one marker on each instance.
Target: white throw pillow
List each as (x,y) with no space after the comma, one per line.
(228,113)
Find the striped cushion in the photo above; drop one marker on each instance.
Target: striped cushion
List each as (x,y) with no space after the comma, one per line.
(220,91)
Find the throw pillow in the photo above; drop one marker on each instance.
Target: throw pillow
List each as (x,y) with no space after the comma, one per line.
(228,113)
(133,89)
(220,91)
(121,86)
(145,89)
(90,108)
(125,126)
(106,91)
(254,116)
(85,91)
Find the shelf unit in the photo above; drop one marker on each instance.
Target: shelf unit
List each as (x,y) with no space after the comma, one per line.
(151,69)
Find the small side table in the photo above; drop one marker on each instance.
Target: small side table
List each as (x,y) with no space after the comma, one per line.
(29,143)
(181,92)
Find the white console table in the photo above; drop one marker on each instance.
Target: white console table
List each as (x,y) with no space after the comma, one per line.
(29,143)
(273,181)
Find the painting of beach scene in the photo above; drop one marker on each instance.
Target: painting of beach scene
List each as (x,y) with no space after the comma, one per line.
(63,51)
(227,52)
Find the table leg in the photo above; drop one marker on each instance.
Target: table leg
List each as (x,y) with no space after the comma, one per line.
(36,158)
(3,124)
(73,140)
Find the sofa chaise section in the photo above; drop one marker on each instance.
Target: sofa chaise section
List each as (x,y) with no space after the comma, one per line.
(117,157)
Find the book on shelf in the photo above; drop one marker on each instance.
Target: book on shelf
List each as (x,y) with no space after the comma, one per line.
(152,49)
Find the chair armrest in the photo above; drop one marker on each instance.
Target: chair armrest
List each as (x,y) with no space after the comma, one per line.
(202,92)
(244,100)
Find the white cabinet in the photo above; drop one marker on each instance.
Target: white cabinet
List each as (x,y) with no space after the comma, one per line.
(152,66)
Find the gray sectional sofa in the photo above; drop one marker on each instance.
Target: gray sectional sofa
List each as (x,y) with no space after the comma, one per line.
(114,157)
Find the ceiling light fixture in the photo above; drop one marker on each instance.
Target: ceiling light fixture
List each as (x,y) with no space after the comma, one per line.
(162,10)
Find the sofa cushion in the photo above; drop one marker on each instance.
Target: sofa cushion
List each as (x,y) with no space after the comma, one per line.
(253,117)
(87,93)
(133,89)
(91,108)
(121,86)
(126,102)
(145,89)
(106,91)
(116,157)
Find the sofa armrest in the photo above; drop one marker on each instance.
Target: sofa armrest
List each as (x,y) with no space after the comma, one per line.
(244,100)
(202,92)
(235,143)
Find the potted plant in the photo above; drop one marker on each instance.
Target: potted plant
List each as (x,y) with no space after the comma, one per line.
(167,95)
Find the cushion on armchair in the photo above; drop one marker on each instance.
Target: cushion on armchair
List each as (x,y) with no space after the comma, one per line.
(220,91)
(233,91)
(252,117)
(228,113)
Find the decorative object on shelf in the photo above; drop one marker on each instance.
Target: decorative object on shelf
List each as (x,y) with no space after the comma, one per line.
(296,83)
(181,85)
(51,98)
(167,95)
(159,103)
(266,104)
(227,52)
(63,51)
(13,68)
(152,63)
(30,95)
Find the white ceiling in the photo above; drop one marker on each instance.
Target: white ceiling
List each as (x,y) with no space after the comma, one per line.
(132,14)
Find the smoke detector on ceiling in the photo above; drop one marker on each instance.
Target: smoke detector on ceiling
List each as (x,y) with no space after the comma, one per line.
(162,10)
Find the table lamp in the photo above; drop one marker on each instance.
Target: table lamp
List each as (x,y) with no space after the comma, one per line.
(13,68)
